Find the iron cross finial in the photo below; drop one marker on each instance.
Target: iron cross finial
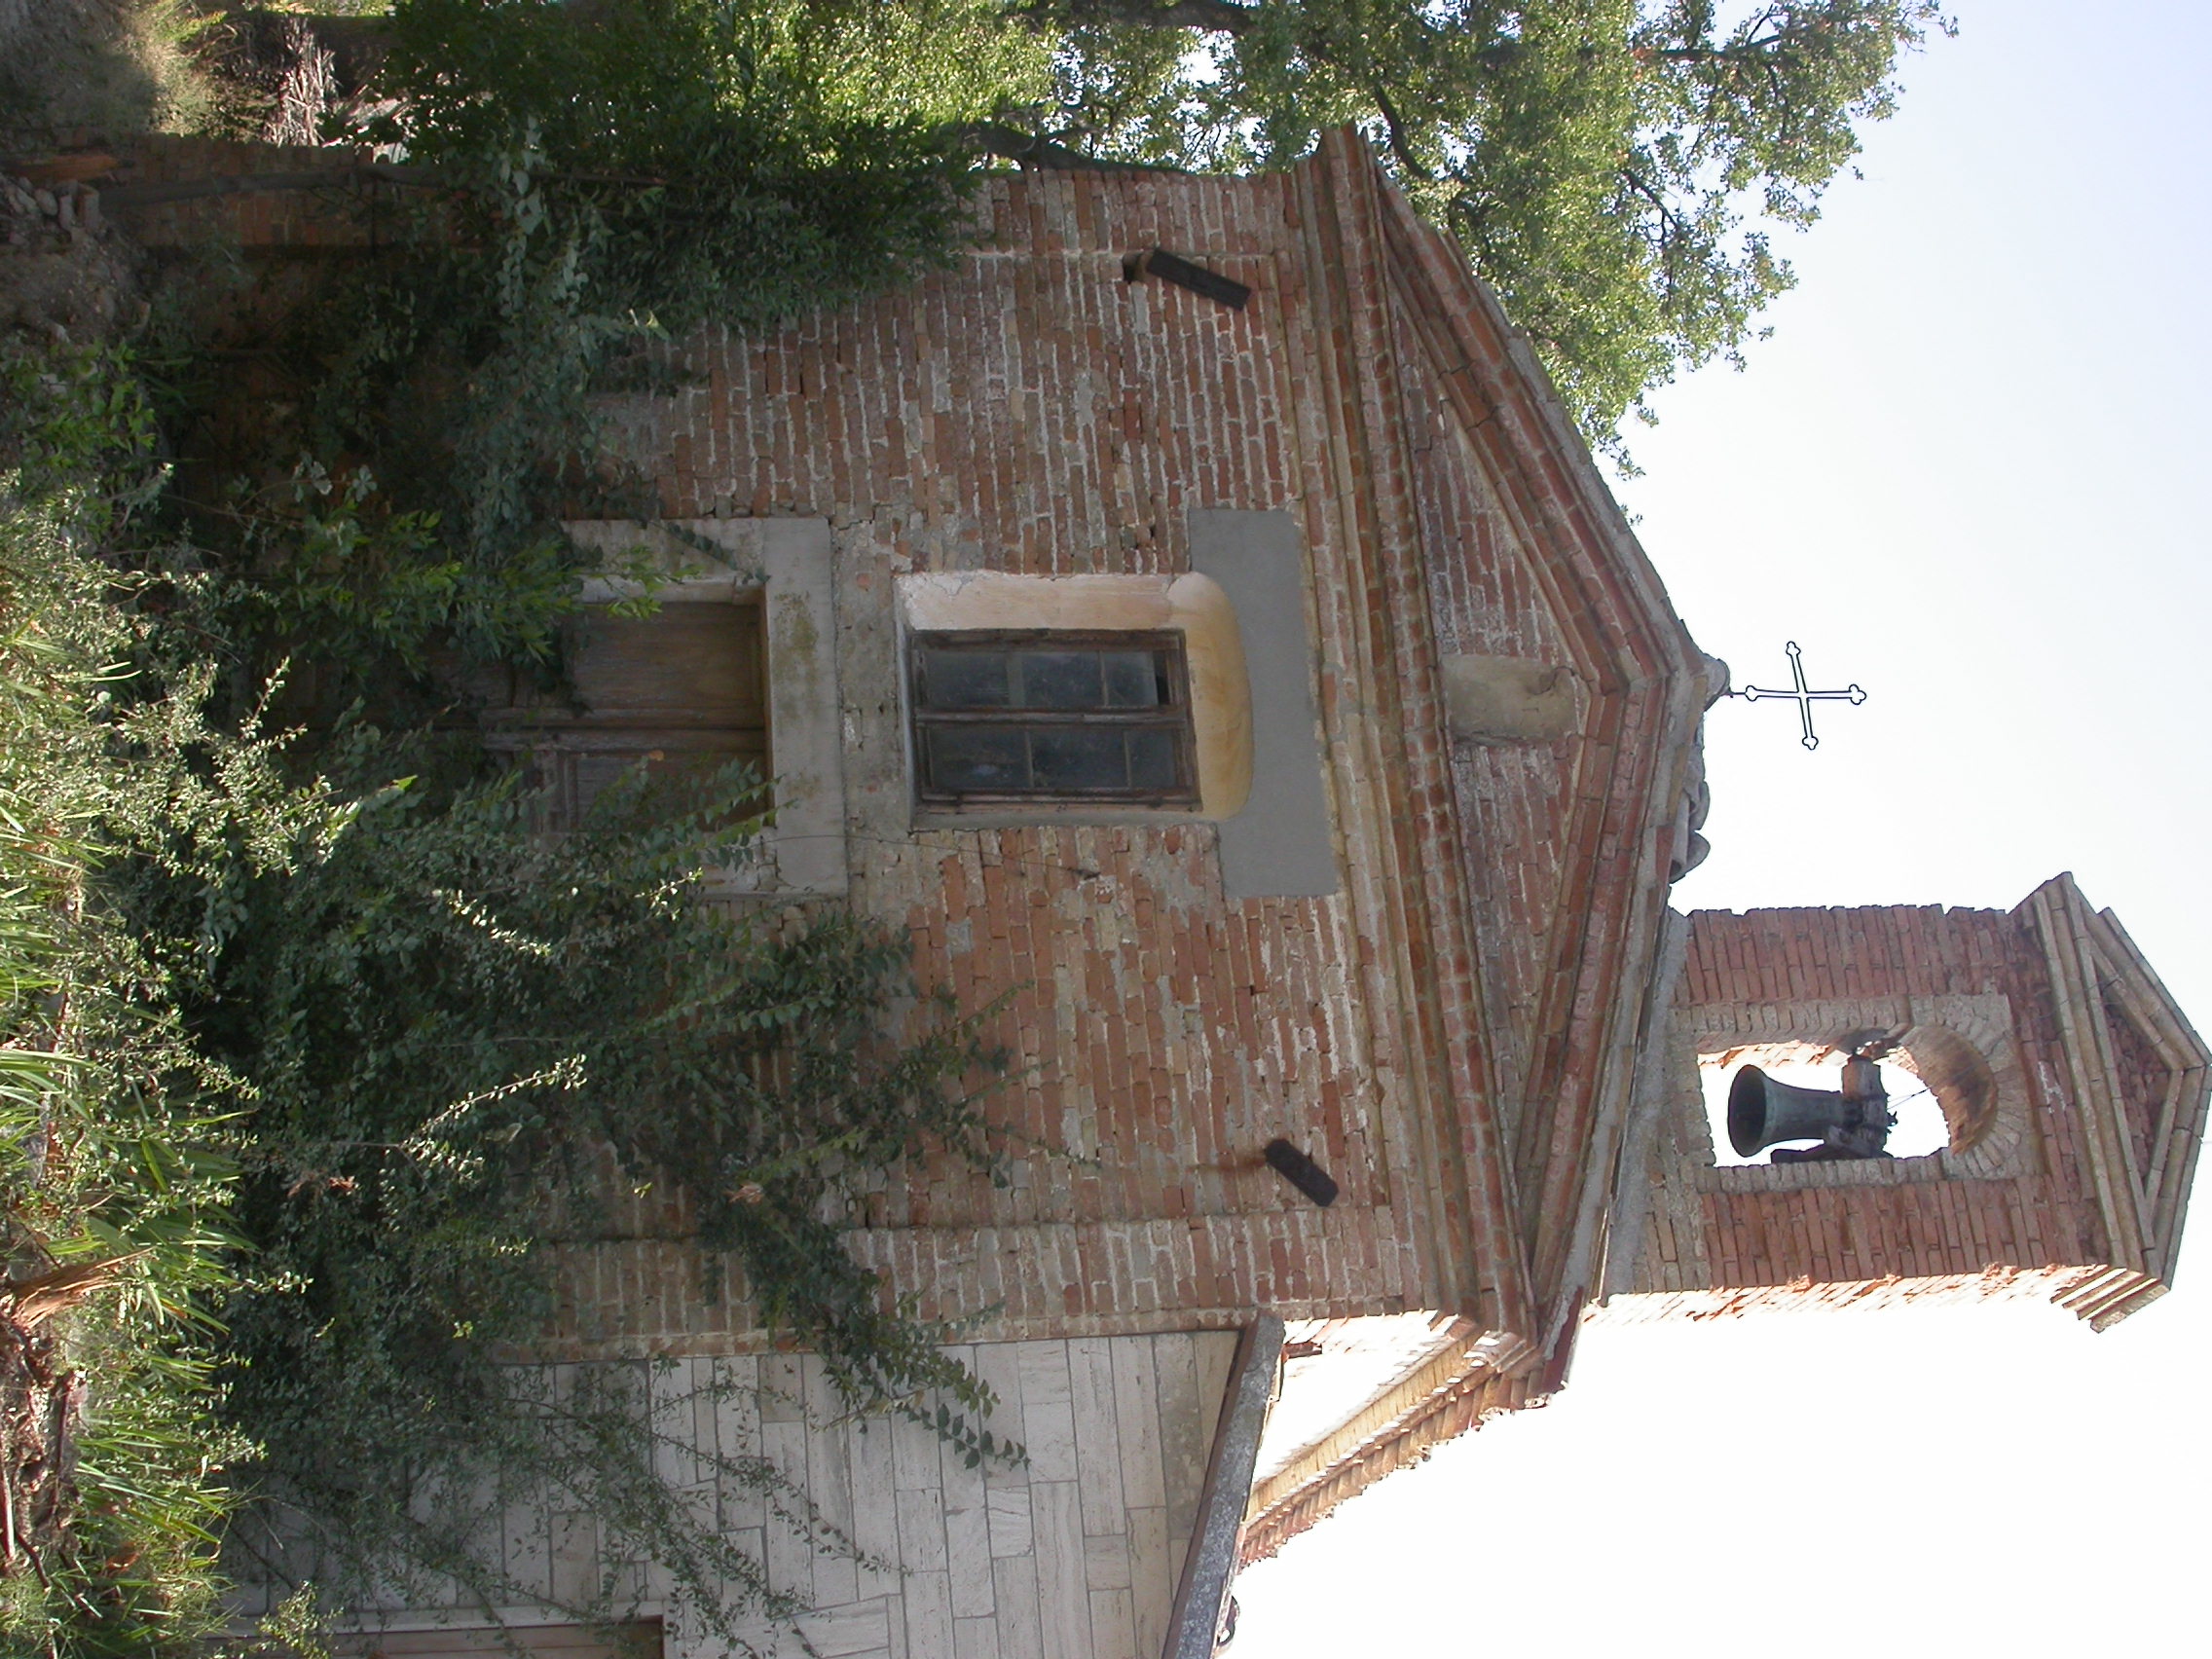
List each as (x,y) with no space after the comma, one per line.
(1804,699)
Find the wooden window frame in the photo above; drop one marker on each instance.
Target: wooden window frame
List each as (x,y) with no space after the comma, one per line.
(1175,716)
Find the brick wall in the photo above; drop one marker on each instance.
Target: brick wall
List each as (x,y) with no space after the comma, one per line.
(1476,978)
(1031,412)
(258,199)
(1451,1033)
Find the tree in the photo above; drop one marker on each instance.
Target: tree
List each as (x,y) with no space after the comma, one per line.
(1613,168)
(1605,163)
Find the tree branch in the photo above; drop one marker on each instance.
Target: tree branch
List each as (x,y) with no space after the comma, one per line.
(1033,150)
(1672,228)
(1215,17)
(1401,145)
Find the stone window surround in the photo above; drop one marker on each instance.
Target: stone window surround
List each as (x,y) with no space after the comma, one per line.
(2007,1147)
(1193,605)
(789,561)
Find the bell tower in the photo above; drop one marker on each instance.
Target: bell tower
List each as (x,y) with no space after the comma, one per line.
(2074,1091)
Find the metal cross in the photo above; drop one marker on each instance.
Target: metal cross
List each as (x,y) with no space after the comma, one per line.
(1804,699)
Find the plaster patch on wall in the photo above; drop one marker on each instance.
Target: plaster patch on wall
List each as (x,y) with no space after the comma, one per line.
(1282,845)
(1501,699)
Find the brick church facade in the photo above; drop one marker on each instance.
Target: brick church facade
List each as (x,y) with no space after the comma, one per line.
(1359,847)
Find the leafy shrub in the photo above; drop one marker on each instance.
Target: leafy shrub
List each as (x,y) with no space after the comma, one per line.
(444,1021)
(313,1047)
(349,1053)
(113,1145)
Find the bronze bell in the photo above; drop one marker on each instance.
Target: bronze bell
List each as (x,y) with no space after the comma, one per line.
(1853,1123)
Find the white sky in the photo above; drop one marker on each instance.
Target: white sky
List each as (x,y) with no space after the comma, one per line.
(1965,473)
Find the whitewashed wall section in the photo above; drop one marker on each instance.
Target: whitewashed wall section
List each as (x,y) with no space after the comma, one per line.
(1074,1554)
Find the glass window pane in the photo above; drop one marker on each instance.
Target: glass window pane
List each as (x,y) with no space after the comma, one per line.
(965,679)
(983,759)
(1078,759)
(1152,759)
(1059,680)
(1133,679)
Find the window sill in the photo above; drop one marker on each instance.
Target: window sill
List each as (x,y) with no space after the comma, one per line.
(1063,816)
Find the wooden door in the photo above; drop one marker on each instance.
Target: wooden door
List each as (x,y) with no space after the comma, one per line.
(683,691)
(637,1640)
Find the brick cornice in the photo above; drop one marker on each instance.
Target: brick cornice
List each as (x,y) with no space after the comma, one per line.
(1419,899)
(2093,965)
(1650,685)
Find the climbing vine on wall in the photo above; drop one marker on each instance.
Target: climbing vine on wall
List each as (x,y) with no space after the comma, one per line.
(317,1056)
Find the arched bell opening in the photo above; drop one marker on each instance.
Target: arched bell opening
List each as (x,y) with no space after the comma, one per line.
(1790,1098)
(1958,1077)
